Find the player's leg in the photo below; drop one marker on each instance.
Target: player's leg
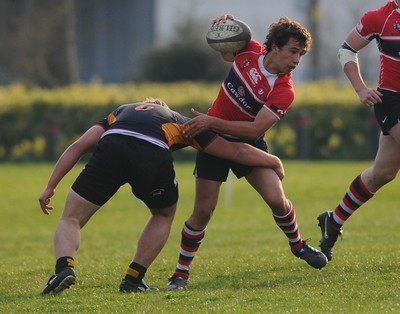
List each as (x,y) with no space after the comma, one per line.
(150,243)
(94,186)
(153,180)
(387,161)
(266,182)
(362,189)
(193,231)
(205,202)
(154,235)
(76,214)
(210,172)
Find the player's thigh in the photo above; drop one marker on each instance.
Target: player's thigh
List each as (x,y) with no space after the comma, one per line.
(167,212)
(79,209)
(387,160)
(395,133)
(206,196)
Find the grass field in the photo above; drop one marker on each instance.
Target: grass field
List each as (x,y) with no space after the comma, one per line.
(243,266)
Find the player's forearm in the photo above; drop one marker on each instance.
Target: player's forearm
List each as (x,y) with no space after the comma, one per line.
(86,143)
(252,156)
(255,157)
(241,129)
(64,164)
(352,72)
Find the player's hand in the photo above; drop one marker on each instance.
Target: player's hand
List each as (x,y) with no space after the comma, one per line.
(222,18)
(277,166)
(44,200)
(280,171)
(370,97)
(200,123)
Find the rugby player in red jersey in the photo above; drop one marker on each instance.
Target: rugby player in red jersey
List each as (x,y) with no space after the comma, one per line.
(256,94)
(133,145)
(383,25)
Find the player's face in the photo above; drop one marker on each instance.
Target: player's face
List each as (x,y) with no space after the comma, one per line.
(289,56)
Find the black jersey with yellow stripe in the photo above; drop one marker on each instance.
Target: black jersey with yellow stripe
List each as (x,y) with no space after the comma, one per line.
(153,123)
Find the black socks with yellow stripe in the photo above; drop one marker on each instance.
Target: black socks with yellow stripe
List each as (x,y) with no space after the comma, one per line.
(135,272)
(65,261)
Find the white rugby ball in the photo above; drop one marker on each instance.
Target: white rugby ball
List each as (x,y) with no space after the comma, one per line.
(229,36)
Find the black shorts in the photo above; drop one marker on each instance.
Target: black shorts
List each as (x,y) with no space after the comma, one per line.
(120,159)
(217,169)
(387,113)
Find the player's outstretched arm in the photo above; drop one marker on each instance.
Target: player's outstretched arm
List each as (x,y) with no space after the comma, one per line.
(245,154)
(348,58)
(251,130)
(68,159)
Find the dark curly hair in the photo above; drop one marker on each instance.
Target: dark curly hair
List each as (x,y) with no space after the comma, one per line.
(280,32)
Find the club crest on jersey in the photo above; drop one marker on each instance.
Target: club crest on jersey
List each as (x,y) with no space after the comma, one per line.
(238,97)
(241,91)
(254,76)
(260,91)
(396,26)
(246,63)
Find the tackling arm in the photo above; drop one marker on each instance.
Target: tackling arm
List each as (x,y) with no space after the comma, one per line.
(68,159)
(251,130)
(245,154)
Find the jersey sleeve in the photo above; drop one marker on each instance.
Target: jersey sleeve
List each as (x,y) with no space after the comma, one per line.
(111,118)
(205,138)
(253,46)
(280,99)
(369,25)
(107,121)
(176,140)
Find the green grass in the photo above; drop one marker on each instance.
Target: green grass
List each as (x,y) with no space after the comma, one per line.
(243,266)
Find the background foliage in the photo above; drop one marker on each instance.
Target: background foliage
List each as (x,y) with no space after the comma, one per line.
(325,122)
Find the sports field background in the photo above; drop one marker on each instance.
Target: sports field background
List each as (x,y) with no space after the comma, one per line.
(243,266)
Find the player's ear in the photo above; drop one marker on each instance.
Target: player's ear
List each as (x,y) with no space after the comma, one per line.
(274,48)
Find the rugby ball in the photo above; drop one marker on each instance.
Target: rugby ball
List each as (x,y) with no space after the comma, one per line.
(229,36)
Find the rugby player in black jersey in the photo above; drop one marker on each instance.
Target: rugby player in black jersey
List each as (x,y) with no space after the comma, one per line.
(133,145)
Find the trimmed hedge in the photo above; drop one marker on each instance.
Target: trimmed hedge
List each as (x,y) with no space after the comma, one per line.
(326,121)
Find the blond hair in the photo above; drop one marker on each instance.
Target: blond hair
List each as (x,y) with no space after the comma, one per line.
(156,101)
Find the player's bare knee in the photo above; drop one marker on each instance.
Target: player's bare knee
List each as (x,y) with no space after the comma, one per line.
(168,212)
(279,206)
(72,222)
(201,217)
(204,218)
(385,175)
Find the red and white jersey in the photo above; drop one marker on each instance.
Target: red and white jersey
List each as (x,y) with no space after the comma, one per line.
(383,25)
(249,87)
